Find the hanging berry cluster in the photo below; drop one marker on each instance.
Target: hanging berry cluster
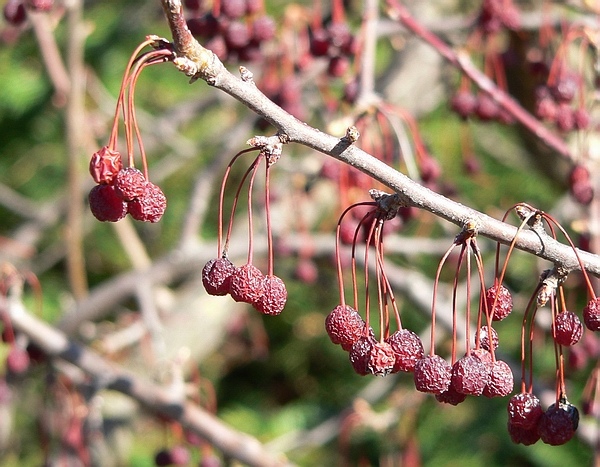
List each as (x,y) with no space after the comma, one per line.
(265,292)
(127,190)
(390,352)
(232,29)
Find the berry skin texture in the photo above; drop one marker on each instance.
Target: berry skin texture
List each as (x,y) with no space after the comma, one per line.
(105,164)
(591,315)
(105,205)
(130,183)
(407,347)
(14,12)
(247,284)
(273,298)
(381,359)
(150,206)
(360,354)
(558,425)
(524,410)
(470,375)
(504,303)
(567,328)
(344,326)
(451,396)
(432,374)
(216,276)
(484,338)
(501,380)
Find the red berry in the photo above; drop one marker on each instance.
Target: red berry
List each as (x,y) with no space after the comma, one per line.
(581,119)
(105,164)
(163,457)
(274,296)
(558,424)
(40,5)
(407,347)
(545,109)
(180,455)
(432,374)
(487,108)
(591,315)
(524,410)
(247,284)
(470,375)
(484,338)
(105,205)
(17,360)
(130,183)
(451,396)
(580,185)
(319,42)
(381,359)
(501,380)
(567,328)
(565,88)
(360,354)
(464,104)
(14,12)
(344,326)
(263,28)
(338,66)
(150,206)
(216,276)
(503,304)
(233,8)
(237,35)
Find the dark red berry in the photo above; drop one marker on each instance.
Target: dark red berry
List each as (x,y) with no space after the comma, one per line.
(381,359)
(319,42)
(524,436)
(360,354)
(344,326)
(558,424)
(470,375)
(247,284)
(565,120)
(591,315)
(580,184)
(14,12)
(565,88)
(464,104)
(501,382)
(501,306)
(150,206)
(163,458)
(432,374)
(274,296)
(581,119)
(484,338)
(487,108)
(237,35)
(233,8)
(105,164)
(407,347)
(567,328)
(216,276)
(451,396)
(105,205)
(130,183)
(524,410)
(338,66)
(546,108)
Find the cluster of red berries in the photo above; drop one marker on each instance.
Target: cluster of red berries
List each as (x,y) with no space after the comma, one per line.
(392,351)
(554,104)
(334,42)
(15,13)
(127,190)
(233,29)
(481,106)
(265,292)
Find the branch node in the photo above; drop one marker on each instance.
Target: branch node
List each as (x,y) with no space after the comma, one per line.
(352,134)
(246,75)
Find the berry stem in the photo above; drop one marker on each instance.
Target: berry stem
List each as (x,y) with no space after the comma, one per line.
(268,217)
(254,169)
(435,289)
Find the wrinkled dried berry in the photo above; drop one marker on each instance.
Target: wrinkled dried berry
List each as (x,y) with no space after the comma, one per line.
(345,326)
(130,183)
(105,164)
(274,296)
(247,284)
(150,206)
(470,375)
(464,104)
(360,354)
(381,359)
(591,314)
(451,396)
(503,304)
(567,328)
(216,276)
(484,338)
(105,205)
(14,12)
(524,410)
(407,347)
(558,424)
(501,382)
(432,374)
